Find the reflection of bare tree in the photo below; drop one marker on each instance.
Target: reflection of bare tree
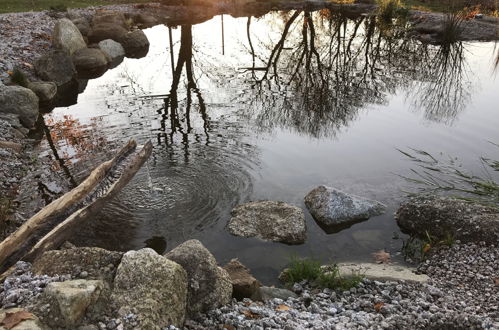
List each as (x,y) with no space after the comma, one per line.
(171,101)
(447,89)
(324,67)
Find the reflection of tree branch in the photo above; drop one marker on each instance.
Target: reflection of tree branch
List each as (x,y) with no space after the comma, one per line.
(46,130)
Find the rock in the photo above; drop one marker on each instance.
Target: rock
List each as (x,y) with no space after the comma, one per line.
(209,285)
(269,293)
(244,285)
(27,324)
(144,20)
(90,63)
(135,43)
(17,147)
(46,91)
(83,25)
(115,18)
(113,50)
(106,31)
(71,299)
(152,287)
(96,262)
(66,36)
(382,272)
(55,66)
(334,209)
(444,217)
(19,101)
(269,220)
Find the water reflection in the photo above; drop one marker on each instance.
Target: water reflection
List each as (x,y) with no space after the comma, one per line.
(290,75)
(325,67)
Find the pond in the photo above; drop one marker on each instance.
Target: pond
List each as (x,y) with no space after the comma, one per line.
(245,109)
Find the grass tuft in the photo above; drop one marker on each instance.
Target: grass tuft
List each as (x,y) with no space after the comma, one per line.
(320,276)
(390,9)
(18,77)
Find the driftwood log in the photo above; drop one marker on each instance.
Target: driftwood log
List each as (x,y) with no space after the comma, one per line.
(55,223)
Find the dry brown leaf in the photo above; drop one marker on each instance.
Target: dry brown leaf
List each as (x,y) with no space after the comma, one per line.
(378,306)
(251,315)
(497,280)
(382,257)
(426,248)
(281,308)
(229,327)
(12,319)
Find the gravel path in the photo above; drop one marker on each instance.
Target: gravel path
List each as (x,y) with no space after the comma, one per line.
(461,294)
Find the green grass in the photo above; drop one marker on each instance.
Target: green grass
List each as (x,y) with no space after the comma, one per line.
(320,276)
(417,248)
(11,6)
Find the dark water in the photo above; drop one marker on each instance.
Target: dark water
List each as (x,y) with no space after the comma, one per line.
(274,107)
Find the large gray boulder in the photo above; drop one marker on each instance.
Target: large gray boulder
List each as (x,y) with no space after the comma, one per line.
(269,220)
(334,209)
(443,217)
(152,287)
(21,102)
(90,63)
(209,285)
(135,43)
(113,50)
(66,36)
(69,301)
(55,66)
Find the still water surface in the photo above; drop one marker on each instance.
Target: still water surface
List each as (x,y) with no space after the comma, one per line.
(269,109)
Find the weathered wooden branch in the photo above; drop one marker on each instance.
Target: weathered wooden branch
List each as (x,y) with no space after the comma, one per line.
(63,231)
(71,208)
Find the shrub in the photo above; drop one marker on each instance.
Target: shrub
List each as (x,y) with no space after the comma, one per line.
(390,9)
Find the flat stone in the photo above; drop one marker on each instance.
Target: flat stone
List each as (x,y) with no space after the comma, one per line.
(382,272)
(269,293)
(334,209)
(90,63)
(269,220)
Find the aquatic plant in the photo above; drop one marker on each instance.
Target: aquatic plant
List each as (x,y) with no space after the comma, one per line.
(452,28)
(416,249)
(435,177)
(321,276)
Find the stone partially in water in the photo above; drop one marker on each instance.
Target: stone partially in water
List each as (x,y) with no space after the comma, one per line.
(244,285)
(90,63)
(152,287)
(66,36)
(114,50)
(135,43)
(209,285)
(269,220)
(46,91)
(55,66)
(443,217)
(334,209)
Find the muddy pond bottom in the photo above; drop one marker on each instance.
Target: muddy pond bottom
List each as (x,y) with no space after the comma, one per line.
(268,108)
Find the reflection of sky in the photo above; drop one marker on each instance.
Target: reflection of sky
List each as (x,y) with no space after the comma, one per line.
(361,158)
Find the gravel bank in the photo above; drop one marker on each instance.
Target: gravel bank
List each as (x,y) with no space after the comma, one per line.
(461,294)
